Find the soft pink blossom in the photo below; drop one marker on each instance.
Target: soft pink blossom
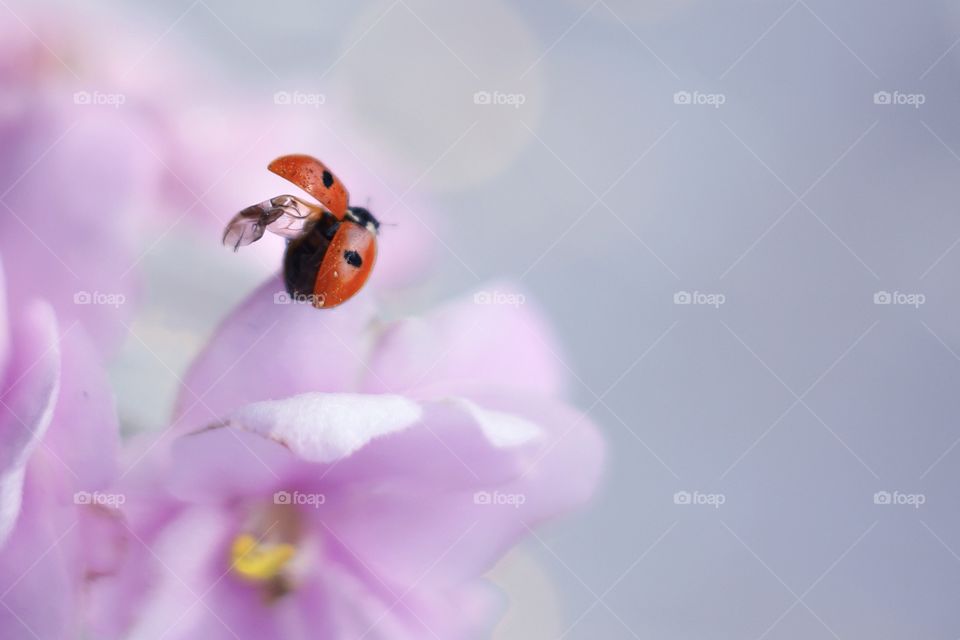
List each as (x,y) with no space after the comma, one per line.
(77,178)
(58,445)
(398,460)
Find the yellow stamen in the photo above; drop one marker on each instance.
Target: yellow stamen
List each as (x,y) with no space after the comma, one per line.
(259,562)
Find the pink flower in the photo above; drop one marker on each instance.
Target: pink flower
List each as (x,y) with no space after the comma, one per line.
(330,474)
(77,172)
(340,476)
(58,443)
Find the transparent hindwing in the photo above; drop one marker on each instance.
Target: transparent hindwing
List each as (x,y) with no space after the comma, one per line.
(285,216)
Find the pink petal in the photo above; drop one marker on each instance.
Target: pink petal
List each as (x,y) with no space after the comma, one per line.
(334,441)
(190,593)
(83,440)
(4,322)
(26,402)
(35,577)
(203,468)
(409,521)
(492,338)
(275,442)
(266,351)
(69,232)
(402,494)
(180,567)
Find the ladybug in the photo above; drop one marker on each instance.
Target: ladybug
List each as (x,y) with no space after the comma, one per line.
(331,246)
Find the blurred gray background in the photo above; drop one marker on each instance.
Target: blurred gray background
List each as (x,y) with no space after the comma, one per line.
(792,165)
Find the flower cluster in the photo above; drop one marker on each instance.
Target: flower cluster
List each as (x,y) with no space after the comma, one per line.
(337,476)
(330,475)
(325,474)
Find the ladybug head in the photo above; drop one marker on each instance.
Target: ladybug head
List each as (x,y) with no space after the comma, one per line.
(364,218)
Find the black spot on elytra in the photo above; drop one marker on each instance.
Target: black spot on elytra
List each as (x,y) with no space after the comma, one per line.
(327,179)
(353,258)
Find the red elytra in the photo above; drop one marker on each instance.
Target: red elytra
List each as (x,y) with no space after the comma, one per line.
(315,178)
(345,266)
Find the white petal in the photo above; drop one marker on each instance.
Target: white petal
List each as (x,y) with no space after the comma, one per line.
(11,490)
(501,429)
(322,427)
